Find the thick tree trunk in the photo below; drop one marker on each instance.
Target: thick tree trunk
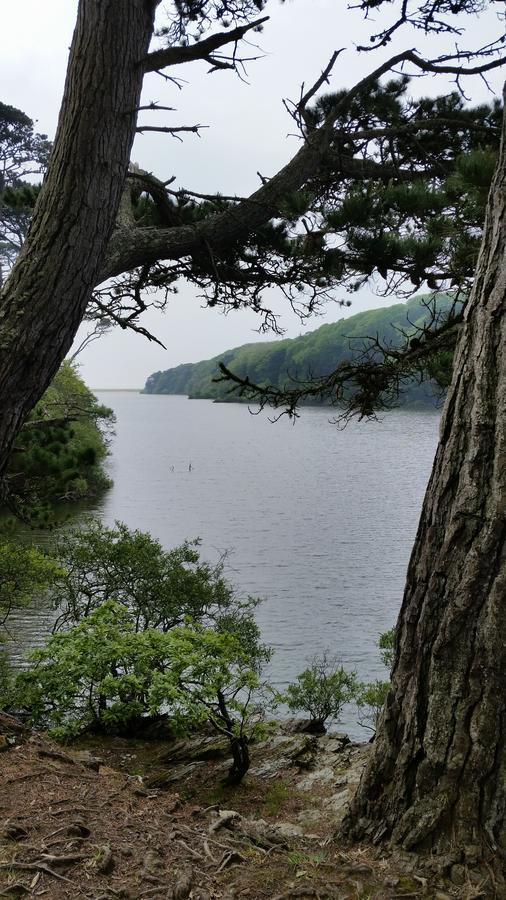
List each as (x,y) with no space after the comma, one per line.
(438,771)
(44,300)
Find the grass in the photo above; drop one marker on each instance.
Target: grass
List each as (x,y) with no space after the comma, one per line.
(275,798)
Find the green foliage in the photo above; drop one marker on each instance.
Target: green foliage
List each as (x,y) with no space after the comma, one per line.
(370,699)
(25,572)
(153,631)
(23,152)
(311,355)
(275,798)
(386,645)
(6,681)
(321,690)
(104,675)
(60,449)
(371,696)
(161,588)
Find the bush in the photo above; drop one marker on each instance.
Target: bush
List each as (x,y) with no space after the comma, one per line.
(103,675)
(64,444)
(386,646)
(371,696)
(160,588)
(370,701)
(321,690)
(6,681)
(25,572)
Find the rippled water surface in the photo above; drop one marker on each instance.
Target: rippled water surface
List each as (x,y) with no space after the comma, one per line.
(320,521)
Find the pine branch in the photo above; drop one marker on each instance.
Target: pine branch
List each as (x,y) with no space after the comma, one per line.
(175,56)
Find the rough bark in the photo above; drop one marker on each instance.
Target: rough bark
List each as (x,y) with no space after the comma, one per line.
(44,300)
(437,776)
(241,760)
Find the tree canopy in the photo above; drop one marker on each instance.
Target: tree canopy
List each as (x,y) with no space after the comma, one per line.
(60,451)
(23,153)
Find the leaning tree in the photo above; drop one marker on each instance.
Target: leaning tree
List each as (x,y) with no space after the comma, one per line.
(90,224)
(107,234)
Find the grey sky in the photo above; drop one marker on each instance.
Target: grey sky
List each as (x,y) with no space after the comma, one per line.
(250,132)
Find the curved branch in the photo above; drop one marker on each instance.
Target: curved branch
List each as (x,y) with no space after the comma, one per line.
(129,248)
(175,56)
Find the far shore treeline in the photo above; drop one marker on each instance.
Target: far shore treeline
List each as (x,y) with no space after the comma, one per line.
(310,355)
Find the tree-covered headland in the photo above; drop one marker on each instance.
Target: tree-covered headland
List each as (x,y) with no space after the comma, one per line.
(290,363)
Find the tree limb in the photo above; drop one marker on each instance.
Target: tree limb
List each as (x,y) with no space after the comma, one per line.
(175,56)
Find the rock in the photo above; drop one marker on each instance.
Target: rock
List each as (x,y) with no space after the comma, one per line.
(271,767)
(225,816)
(295,726)
(305,756)
(197,750)
(85,758)
(288,830)
(162,779)
(323,776)
(309,816)
(334,743)
(337,803)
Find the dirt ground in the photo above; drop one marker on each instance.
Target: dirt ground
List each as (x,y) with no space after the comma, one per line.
(125,819)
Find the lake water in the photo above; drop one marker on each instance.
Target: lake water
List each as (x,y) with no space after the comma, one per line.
(319,521)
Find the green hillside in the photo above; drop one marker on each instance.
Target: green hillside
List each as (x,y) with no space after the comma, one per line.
(315,353)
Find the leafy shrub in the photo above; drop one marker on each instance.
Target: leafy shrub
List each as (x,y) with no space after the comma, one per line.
(386,646)
(370,701)
(6,681)
(25,572)
(64,444)
(161,588)
(371,696)
(103,675)
(321,690)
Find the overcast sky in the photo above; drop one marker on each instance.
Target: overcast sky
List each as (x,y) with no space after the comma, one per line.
(249,133)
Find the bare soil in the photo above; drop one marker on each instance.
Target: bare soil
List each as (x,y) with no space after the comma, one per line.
(90,824)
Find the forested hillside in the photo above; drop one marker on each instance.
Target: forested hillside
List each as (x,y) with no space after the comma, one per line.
(310,355)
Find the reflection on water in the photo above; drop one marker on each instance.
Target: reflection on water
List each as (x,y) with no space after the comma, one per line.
(319,521)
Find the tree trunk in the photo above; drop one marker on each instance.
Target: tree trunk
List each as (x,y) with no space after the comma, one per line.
(44,299)
(241,760)
(437,776)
